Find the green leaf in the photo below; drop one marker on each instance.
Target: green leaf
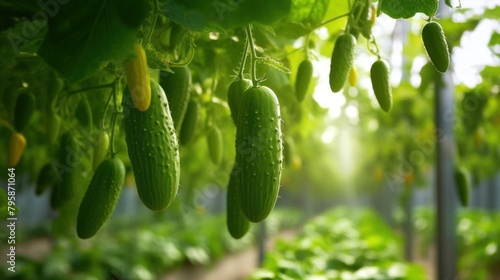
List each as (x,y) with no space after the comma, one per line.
(408,8)
(309,11)
(273,63)
(205,15)
(85,34)
(448,3)
(494,40)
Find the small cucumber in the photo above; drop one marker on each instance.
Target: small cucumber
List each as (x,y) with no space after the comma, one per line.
(214,142)
(100,198)
(17,144)
(379,74)
(101,146)
(176,86)
(138,78)
(25,107)
(463,185)
(303,79)
(436,46)
(46,179)
(341,61)
(190,122)
(237,224)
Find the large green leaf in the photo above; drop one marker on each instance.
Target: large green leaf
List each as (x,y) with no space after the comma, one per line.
(408,8)
(309,11)
(209,15)
(86,33)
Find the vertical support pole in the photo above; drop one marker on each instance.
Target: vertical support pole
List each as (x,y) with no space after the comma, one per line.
(445,195)
(408,227)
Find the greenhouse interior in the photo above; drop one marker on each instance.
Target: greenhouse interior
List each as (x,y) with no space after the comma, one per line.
(250,140)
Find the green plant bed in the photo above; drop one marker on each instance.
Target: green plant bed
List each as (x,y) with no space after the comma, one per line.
(142,249)
(478,240)
(343,243)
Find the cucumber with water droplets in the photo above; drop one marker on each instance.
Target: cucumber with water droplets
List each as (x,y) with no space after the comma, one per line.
(258,152)
(153,149)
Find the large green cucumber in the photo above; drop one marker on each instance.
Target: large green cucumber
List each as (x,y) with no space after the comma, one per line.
(258,152)
(176,86)
(153,149)
(100,198)
(237,224)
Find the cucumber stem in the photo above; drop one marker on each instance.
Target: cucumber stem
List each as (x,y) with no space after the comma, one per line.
(88,111)
(90,89)
(243,59)
(253,55)
(156,11)
(328,21)
(114,117)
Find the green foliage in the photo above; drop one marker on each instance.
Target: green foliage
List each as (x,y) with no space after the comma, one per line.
(202,15)
(477,239)
(332,246)
(408,8)
(143,248)
(77,33)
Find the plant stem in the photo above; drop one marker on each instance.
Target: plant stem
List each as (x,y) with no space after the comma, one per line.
(243,59)
(156,10)
(90,88)
(306,44)
(114,118)
(253,55)
(328,21)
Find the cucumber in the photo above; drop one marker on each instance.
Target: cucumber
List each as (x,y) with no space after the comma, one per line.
(436,46)
(138,78)
(237,224)
(259,151)
(46,179)
(153,149)
(190,122)
(463,185)
(234,94)
(68,156)
(17,144)
(53,127)
(379,74)
(214,142)
(341,61)
(303,79)
(353,76)
(176,86)
(101,146)
(23,111)
(100,198)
